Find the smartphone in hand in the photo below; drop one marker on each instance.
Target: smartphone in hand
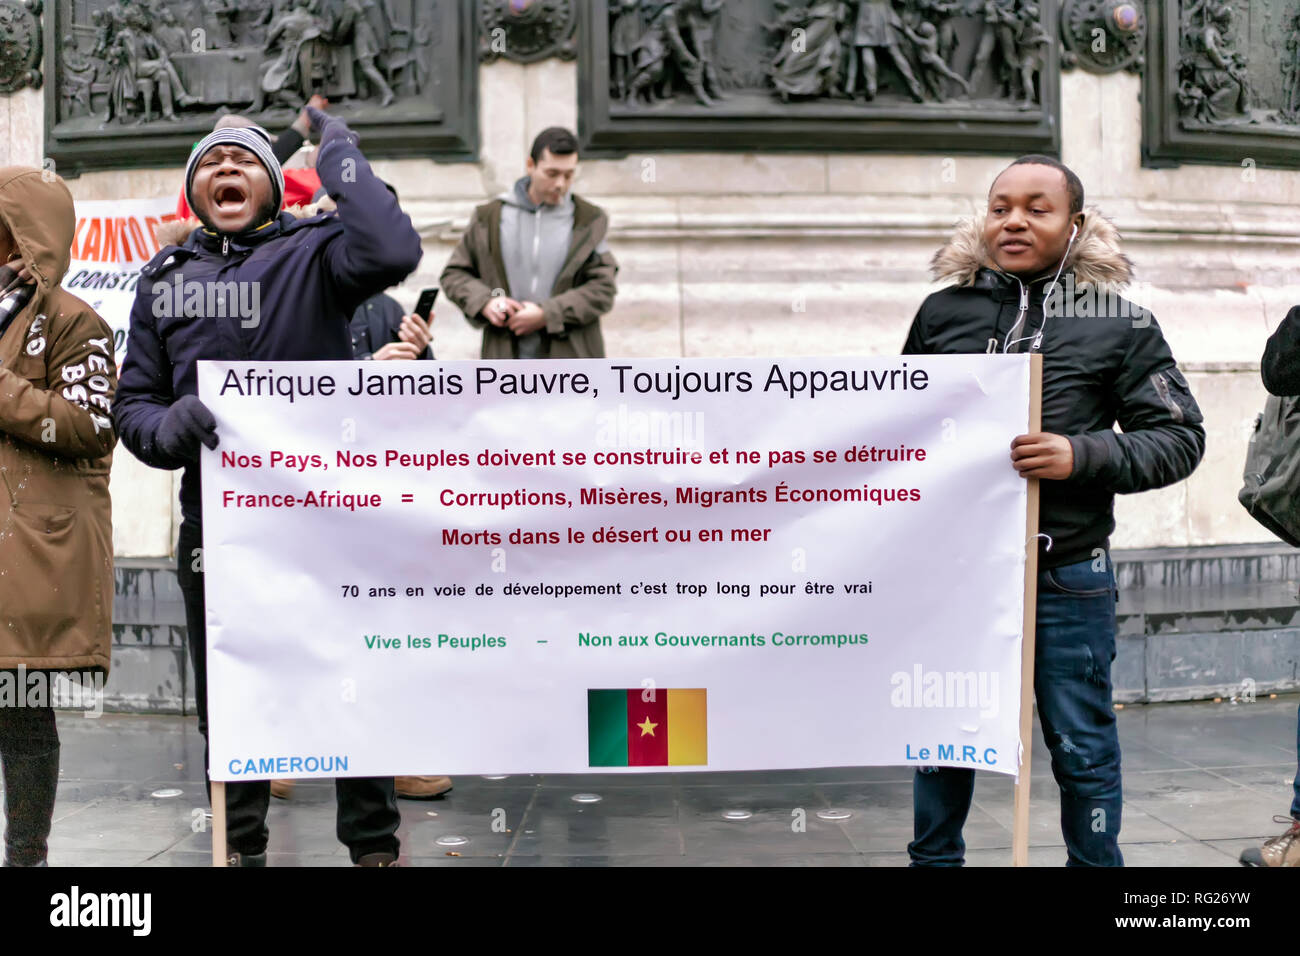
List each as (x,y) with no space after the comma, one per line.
(424,307)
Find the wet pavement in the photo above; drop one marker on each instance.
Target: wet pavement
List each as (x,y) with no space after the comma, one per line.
(1202,781)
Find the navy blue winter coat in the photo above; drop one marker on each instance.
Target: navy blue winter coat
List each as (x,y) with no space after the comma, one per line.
(310,275)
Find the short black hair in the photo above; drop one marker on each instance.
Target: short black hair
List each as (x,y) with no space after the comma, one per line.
(1073,184)
(557,139)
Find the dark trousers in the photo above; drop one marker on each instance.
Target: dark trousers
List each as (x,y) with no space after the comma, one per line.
(1073,651)
(368,817)
(29,758)
(27,731)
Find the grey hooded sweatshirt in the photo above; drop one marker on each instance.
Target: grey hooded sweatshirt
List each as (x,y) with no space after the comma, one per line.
(534,244)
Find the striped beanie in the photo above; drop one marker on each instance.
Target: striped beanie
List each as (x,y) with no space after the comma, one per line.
(252,138)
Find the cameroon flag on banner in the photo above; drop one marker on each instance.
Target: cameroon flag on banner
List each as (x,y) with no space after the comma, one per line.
(624,729)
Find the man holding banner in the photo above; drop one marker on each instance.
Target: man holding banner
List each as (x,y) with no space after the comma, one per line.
(1041,276)
(254,283)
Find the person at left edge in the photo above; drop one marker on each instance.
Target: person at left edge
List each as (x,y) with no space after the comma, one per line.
(310,275)
(56,526)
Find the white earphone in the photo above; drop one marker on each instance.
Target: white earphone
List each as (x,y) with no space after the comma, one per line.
(1047,292)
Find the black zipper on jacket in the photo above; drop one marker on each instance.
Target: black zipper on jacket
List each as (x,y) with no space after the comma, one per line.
(1161,385)
(995,347)
(1022,316)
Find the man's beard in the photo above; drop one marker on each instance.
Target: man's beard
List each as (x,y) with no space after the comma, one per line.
(264,214)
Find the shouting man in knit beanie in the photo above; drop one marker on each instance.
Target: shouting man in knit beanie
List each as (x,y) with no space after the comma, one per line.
(233,181)
(299,184)
(280,289)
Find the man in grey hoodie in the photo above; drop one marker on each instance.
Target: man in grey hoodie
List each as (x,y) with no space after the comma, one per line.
(533,270)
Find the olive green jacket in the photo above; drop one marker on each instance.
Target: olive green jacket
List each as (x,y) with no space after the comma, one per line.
(583,292)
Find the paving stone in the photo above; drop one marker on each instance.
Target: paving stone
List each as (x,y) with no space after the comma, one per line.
(1202,782)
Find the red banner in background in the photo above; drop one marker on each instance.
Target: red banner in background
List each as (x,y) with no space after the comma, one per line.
(113,241)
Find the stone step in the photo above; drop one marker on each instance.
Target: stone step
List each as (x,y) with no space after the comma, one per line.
(1194,623)
(151,672)
(1207,566)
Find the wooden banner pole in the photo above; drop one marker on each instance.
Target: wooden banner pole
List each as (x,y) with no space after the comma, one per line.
(218,823)
(1020,824)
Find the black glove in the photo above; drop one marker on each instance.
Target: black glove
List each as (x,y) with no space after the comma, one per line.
(330,128)
(187,424)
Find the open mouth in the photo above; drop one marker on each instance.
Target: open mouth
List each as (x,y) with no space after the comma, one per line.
(229,197)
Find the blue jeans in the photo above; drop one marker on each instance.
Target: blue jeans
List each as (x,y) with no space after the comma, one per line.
(1295,804)
(1075,645)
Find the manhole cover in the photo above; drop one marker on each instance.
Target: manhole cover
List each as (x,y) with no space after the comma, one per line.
(834,814)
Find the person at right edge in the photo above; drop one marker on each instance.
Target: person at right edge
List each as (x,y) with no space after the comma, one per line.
(1111,367)
(1280,368)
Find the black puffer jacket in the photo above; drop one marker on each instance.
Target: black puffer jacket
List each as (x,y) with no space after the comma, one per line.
(1105,361)
(1281,363)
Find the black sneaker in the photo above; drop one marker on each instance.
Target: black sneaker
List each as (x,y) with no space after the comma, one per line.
(244,859)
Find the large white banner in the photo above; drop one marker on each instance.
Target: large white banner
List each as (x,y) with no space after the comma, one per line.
(570,566)
(113,241)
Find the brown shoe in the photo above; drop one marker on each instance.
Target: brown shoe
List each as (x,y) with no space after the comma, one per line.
(282,789)
(1282,850)
(377,859)
(422,788)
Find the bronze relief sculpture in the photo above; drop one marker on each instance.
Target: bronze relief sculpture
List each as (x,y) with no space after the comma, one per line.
(167,69)
(980,75)
(1222,83)
(1104,36)
(20,45)
(526,31)
(929,51)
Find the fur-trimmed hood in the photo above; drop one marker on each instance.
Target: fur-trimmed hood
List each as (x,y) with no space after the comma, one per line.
(1096,258)
(176,231)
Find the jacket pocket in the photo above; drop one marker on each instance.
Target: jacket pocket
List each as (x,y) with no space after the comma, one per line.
(45,590)
(1176,396)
